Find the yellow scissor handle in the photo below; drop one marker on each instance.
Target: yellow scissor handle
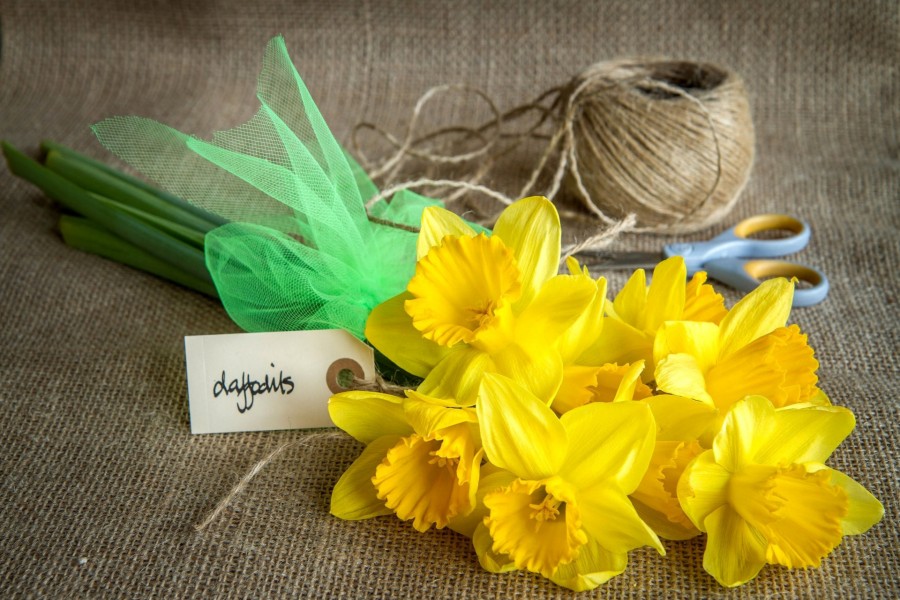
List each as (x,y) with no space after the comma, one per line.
(772,222)
(746,275)
(766,269)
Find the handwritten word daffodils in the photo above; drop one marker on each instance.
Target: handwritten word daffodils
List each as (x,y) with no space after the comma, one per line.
(559,431)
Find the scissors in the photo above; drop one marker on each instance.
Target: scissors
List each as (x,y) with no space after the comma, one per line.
(735,258)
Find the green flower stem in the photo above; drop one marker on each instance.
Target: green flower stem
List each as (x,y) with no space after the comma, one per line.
(126,226)
(83,234)
(94,180)
(176,230)
(93,169)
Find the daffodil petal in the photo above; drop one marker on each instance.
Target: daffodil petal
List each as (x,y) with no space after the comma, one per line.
(540,370)
(631,301)
(531,229)
(619,343)
(618,383)
(700,340)
(746,425)
(354,496)
(594,566)
(490,561)
(864,509)
(586,330)
(665,298)
(609,517)
(702,302)
(680,418)
(735,551)
(519,432)
(426,415)
(437,223)
(458,375)
(819,398)
(560,302)
(368,415)
(474,468)
(703,488)
(629,384)
(391,331)
(804,434)
(761,311)
(680,375)
(609,442)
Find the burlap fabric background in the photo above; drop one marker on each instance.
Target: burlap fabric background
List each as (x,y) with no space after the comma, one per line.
(102,481)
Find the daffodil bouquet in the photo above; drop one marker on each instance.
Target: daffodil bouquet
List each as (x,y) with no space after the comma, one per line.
(559,431)
(556,429)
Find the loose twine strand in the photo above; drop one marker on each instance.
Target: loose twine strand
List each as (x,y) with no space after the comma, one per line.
(257,468)
(408,148)
(596,122)
(376,384)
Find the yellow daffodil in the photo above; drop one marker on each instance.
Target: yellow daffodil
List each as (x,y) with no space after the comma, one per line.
(750,353)
(639,310)
(422,459)
(479,304)
(763,494)
(681,423)
(559,505)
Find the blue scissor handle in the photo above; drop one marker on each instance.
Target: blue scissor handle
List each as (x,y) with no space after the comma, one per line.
(736,242)
(746,275)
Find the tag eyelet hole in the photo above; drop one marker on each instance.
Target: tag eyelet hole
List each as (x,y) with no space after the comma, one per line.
(341,374)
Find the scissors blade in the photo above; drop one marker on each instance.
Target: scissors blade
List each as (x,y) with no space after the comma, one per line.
(620,260)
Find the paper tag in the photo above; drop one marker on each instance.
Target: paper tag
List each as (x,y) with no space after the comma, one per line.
(266,381)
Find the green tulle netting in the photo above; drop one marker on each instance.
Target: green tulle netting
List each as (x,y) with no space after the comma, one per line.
(299,251)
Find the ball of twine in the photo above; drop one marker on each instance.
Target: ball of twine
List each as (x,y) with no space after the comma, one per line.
(669,141)
(646,145)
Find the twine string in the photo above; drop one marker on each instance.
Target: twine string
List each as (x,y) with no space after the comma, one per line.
(407,147)
(225,502)
(566,155)
(377,384)
(591,119)
(650,82)
(426,182)
(600,240)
